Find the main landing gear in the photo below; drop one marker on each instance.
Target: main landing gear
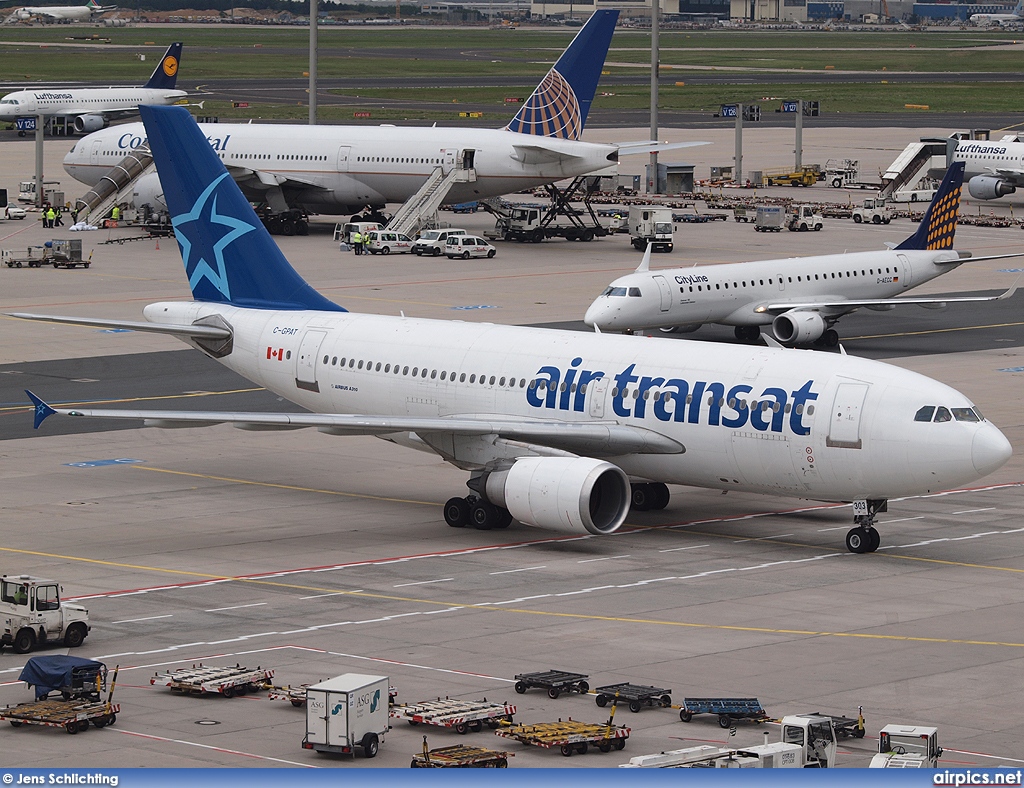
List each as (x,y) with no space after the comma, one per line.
(649,496)
(863,538)
(475,511)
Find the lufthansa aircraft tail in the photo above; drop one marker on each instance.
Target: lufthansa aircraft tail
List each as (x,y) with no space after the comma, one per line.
(559,105)
(165,75)
(229,256)
(939,223)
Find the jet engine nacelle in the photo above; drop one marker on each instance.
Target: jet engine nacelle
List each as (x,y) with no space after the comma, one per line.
(798,328)
(568,494)
(86,124)
(148,191)
(988,187)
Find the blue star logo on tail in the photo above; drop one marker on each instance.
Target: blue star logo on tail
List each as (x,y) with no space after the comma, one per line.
(202,242)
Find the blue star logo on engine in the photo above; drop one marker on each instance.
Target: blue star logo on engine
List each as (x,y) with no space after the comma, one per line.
(202,243)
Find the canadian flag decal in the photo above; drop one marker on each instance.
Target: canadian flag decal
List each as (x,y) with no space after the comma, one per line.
(277,353)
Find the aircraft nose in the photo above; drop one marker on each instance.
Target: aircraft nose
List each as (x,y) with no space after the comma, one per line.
(990,450)
(599,314)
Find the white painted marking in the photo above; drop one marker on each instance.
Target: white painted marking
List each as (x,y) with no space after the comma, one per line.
(424,582)
(837,528)
(606,558)
(900,520)
(677,549)
(133,620)
(235,607)
(335,593)
(524,569)
(211,747)
(777,536)
(972,511)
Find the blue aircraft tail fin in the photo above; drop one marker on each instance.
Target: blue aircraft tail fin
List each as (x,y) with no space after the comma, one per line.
(229,256)
(561,102)
(939,223)
(165,75)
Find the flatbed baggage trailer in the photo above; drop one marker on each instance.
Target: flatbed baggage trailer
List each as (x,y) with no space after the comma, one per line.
(71,715)
(296,695)
(554,681)
(727,709)
(461,715)
(568,737)
(636,695)
(202,680)
(460,756)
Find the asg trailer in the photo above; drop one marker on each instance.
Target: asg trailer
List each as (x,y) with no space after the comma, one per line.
(460,715)
(204,680)
(347,712)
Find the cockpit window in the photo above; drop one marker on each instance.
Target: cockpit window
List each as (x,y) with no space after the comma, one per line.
(981,416)
(615,291)
(942,414)
(925,414)
(634,292)
(965,414)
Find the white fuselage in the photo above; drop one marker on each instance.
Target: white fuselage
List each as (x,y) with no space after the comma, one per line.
(348,167)
(985,20)
(789,422)
(69,13)
(83,101)
(1001,160)
(731,293)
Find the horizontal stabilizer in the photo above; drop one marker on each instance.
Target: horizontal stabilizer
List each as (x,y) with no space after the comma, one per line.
(540,154)
(195,331)
(650,146)
(986,258)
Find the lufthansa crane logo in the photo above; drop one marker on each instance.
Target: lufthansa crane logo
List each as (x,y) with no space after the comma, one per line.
(170,65)
(552,111)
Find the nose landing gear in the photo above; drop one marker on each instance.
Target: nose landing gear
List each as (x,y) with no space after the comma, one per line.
(863,538)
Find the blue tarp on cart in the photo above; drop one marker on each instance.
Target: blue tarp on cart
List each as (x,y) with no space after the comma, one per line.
(47,674)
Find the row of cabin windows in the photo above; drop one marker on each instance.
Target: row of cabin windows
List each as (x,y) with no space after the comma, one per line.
(834,275)
(418,372)
(398,159)
(940,415)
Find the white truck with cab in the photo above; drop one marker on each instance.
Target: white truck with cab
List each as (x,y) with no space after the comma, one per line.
(804,217)
(907,747)
(33,614)
(873,211)
(346,713)
(651,224)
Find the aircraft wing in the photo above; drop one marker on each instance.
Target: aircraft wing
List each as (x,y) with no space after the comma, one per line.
(1010,173)
(848,305)
(267,180)
(197,331)
(650,146)
(591,438)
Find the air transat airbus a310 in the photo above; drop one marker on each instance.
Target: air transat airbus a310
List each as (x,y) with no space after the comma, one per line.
(342,169)
(556,429)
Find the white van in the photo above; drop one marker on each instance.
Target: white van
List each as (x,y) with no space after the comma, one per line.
(362,227)
(386,242)
(431,242)
(466,246)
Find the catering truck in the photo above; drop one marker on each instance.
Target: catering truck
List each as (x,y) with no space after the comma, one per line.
(346,713)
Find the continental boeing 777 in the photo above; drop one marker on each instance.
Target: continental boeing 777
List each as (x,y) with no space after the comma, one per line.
(556,429)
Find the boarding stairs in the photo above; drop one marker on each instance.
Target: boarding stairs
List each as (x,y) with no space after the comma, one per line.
(419,209)
(116,186)
(914,163)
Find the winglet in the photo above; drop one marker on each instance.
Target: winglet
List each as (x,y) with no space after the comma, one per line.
(42,410)
(1012,290)
(645,264)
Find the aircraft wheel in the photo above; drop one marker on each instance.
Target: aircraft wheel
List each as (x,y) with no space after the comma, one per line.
(288,227)
(484,516)
(747,333)
(830,338)
(875,539)
(642,497)
(456,512)
(858,540)
(661,495)
(504,518)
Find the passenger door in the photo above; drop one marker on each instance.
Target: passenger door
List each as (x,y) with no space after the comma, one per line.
(844,421)
(305,364)
(665,292)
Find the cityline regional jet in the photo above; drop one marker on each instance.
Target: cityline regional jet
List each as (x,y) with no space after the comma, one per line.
(557,429)
(342,169)
(94,108)
(801,298)
(60,13)
(1015,17)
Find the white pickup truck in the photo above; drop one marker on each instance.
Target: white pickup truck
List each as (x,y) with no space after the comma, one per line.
(32,614)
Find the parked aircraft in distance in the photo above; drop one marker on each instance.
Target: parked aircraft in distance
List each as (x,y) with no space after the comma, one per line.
(801,298)
(342,169)
(557,429)
(94,108)
(993,169)
(985,20)
(60,13)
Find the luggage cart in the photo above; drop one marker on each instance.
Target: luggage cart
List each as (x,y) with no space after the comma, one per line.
(296,695)
(71,715)
(637,695)
(847,727)
(460,756)
(554,681)
(727,709)
(461,715)
(202,680)
(568,737)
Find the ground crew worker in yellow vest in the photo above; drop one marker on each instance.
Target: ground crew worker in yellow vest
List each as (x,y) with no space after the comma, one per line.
(357,242)
(116,213)
(51,215)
